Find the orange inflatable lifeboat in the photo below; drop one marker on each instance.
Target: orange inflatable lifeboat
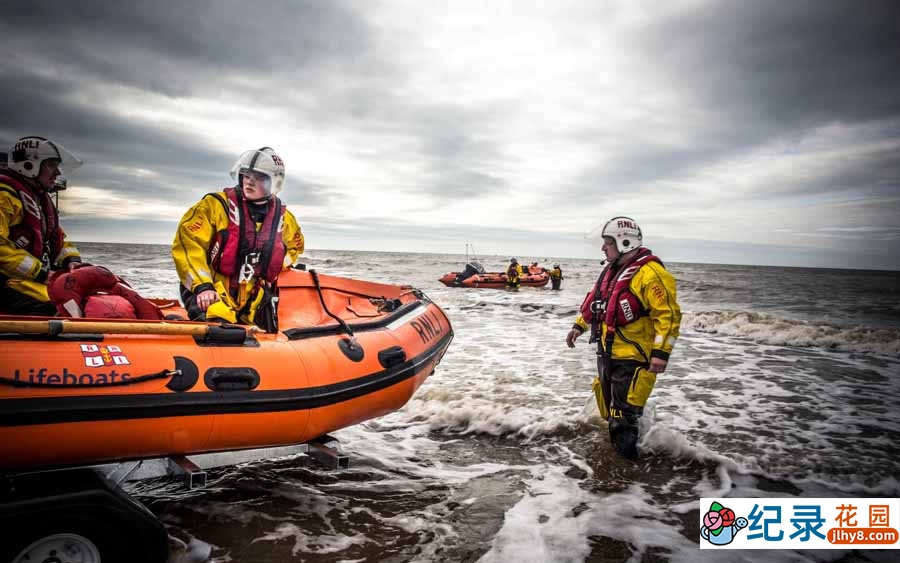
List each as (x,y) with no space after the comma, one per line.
(82,391)
(496,280)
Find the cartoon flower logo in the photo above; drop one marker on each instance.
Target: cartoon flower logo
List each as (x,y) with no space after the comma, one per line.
(720,525)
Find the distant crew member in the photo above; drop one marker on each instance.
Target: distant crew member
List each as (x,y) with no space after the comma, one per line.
(32,242)
(514,274)
(231,246)
(556,277)
(634,317)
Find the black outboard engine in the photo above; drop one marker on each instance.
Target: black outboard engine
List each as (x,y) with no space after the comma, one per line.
(472,268)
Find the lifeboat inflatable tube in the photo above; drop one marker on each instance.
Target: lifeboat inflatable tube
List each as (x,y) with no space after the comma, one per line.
(81,392)
(494,280)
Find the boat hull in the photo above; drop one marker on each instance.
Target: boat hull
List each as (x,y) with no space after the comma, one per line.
(78,399)
(494,280)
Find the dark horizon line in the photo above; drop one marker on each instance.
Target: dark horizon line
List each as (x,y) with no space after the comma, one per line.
(556,258)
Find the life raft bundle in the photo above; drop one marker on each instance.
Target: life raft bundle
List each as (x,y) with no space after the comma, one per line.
(86,391)
(495,280)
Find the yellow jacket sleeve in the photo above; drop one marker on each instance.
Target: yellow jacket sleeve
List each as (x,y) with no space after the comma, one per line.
(293,239)
(68,250)
(195,234)
(656,290)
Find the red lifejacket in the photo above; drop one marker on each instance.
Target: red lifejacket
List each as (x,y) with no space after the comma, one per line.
(241,239)
(71,291)
(613,288)
(38,233)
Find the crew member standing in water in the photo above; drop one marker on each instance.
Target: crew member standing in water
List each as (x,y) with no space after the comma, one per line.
(514,273)
(231,246)
(32,243)
(556,277)
(633,316)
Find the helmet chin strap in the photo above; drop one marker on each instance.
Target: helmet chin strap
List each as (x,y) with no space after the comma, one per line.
(37,182)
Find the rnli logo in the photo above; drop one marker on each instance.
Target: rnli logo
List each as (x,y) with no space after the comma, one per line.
(625,224)
(215,250)
(96,356)
(196,226)
(428,326)
(26,144)
(626,310)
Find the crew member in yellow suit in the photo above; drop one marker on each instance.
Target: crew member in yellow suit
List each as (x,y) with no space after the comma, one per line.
(231,246)
(556,277)
(514,273)
(32,242)
(634,317)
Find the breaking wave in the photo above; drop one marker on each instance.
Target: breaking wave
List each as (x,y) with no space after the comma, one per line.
(769,329)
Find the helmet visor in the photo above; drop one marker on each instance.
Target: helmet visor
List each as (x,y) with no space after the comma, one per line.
(68,162)
(595,236)
(264,166)
(262,180)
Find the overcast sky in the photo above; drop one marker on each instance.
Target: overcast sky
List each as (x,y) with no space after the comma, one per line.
(751,132)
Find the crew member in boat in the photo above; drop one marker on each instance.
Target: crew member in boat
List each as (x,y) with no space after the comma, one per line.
(514,274)
(634,317)
(32,242)
(536,268)
(231,246)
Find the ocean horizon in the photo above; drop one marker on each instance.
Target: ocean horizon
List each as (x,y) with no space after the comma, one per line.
(543,260)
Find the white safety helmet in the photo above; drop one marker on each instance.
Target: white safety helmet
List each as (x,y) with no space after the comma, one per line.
(625,231)
(263,161)
(29,153)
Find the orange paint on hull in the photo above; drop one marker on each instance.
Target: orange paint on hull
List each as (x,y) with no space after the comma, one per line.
(76,399)
(494,280)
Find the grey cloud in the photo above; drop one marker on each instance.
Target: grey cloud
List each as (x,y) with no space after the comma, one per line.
(317,61)
(106,142)
(754,72)
(786,64)
(175,47)
(306,193)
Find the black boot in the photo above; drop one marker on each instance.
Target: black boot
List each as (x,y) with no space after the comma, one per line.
(623,435)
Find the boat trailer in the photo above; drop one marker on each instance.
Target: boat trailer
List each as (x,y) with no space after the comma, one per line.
(82,515)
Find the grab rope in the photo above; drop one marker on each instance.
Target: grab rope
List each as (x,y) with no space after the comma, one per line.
(340,321)
(130,381)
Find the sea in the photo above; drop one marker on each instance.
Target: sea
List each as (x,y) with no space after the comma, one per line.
(785,382)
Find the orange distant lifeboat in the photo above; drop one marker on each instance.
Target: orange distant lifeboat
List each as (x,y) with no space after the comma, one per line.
(475,276)
(87,391)
(495,280)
